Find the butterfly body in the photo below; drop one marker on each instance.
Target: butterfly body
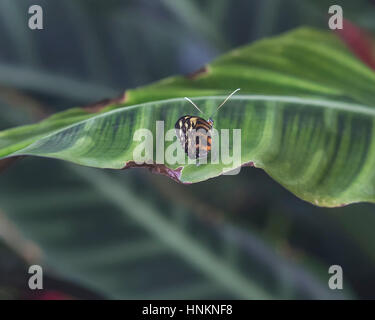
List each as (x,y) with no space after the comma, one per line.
(194,134)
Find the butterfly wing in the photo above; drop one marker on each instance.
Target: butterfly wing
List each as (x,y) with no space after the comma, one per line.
(194,134)
(182,128)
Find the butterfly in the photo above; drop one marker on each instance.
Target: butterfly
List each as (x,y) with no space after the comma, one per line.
(194,132)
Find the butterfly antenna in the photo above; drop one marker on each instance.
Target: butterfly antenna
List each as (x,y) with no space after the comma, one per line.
(193,104)
(227,99)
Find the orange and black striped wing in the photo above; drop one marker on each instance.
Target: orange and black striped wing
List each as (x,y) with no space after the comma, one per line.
(194,134)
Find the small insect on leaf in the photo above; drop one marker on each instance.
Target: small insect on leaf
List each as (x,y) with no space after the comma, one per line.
(194,132)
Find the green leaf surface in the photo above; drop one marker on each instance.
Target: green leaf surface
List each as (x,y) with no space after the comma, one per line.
(302,118)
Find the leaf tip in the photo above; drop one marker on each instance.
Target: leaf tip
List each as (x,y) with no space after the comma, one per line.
(98,106)
(5,163)
(249,164)
(198,73)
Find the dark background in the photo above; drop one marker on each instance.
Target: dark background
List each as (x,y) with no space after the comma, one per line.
(134,235)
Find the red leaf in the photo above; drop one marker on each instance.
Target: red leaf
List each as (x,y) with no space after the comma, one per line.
(359,42)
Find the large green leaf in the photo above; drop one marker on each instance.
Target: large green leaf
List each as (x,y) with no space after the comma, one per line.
(321,150)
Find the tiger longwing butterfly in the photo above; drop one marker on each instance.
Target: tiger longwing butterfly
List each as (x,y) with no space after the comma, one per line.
(194,132)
